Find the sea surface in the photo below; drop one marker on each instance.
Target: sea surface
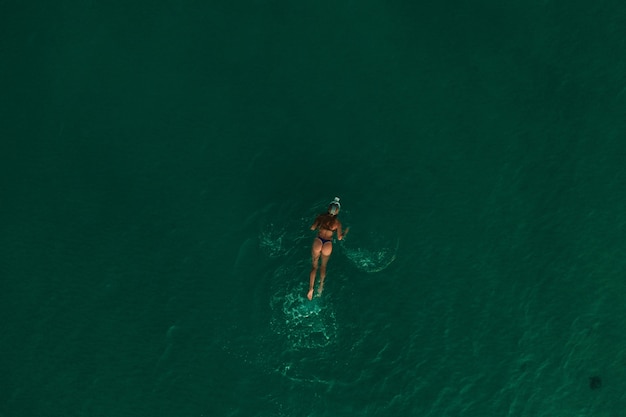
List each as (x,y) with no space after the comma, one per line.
(162,162)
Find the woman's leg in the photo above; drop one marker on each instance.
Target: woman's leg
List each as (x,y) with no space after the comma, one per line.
(316,251)
(327,249)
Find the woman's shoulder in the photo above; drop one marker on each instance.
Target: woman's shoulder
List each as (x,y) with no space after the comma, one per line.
(321,216)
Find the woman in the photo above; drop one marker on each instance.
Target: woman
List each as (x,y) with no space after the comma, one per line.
(326,224)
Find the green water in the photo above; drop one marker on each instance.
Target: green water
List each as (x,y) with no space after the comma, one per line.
(162,162)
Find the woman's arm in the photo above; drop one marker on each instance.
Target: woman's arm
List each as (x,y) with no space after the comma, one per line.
(340,233)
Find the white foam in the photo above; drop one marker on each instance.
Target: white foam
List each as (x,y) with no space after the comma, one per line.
(372,260)
(304,324)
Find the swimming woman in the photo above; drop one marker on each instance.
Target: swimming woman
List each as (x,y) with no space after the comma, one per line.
(326,224)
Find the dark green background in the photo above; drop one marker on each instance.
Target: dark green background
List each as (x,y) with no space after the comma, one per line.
(136,139)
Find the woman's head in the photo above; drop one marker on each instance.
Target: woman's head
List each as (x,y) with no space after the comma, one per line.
(334,207)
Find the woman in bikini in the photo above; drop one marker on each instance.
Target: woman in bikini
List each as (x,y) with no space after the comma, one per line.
(326,224)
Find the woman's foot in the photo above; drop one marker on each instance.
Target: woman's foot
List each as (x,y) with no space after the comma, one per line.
(310,294)
(320,289)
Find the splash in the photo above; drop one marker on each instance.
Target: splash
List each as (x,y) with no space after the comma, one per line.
(372,260)
(273,241)
(304,324)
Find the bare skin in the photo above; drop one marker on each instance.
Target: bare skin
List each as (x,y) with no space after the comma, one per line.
(327,225)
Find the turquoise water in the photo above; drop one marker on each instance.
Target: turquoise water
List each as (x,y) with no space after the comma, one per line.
(161,165)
